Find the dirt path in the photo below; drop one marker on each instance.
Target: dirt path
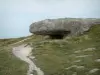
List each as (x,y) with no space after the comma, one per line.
(23,52)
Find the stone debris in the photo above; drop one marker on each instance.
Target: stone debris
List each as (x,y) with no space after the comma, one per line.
(89,49)
(97,60)
(77,61)
(78,51)
(93,70)
(75,66)
(82,56)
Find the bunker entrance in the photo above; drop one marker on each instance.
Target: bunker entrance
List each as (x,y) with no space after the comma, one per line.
(56,36)
(59,34)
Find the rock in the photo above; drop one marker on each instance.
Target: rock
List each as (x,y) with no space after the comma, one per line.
(58,28)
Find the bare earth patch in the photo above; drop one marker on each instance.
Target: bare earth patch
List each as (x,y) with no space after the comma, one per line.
(23,52)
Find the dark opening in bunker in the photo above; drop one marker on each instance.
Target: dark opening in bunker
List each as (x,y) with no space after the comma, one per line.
(59,34)
(56,36)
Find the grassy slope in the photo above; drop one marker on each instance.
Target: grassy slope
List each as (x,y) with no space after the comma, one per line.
(9,64)
(55,56)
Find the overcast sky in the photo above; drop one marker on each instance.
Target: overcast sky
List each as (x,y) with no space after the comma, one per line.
(17,15)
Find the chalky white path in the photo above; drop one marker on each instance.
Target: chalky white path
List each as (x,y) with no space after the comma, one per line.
(23,52)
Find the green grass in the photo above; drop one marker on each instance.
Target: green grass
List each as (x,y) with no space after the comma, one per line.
(55,57)
(9,64)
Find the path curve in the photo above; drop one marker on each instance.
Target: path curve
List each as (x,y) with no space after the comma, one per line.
(23,52)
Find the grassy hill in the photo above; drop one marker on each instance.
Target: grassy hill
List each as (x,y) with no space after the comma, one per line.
(79,55)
